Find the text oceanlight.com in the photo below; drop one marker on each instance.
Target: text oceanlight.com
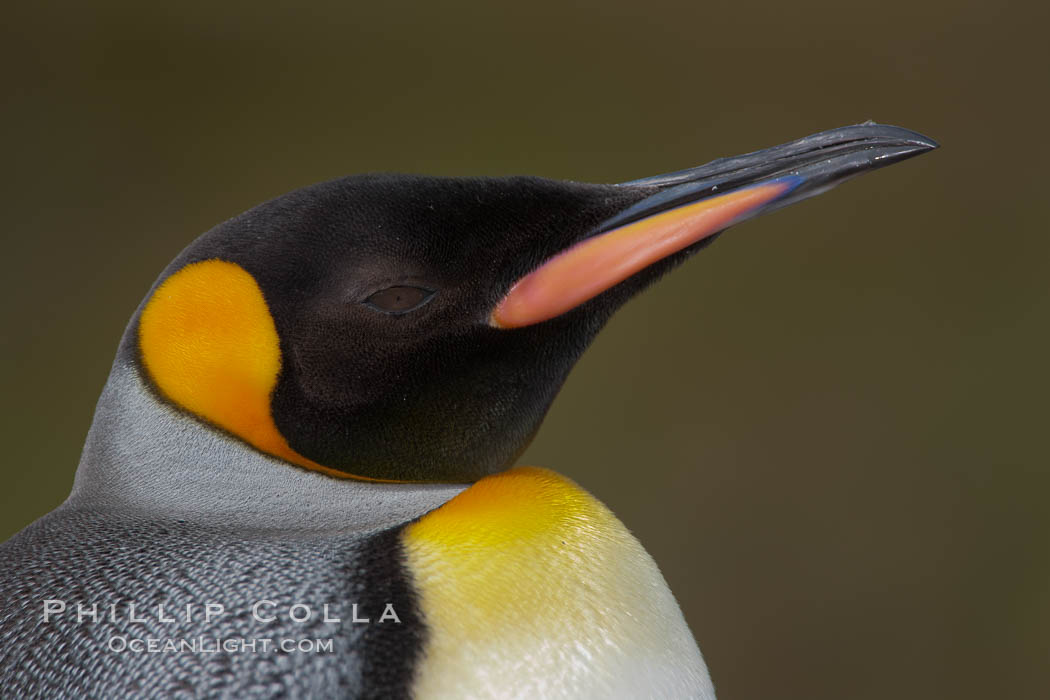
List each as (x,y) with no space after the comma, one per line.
(214,645)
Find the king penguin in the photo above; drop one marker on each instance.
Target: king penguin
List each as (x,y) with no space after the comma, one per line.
(299,479)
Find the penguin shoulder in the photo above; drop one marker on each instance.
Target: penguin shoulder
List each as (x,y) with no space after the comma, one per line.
(527,581)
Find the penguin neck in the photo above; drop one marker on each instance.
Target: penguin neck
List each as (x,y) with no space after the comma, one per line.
(146,456)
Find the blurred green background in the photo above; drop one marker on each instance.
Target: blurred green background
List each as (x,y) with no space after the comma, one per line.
(829,428)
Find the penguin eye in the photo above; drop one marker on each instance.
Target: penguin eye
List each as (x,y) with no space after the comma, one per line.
(399,300)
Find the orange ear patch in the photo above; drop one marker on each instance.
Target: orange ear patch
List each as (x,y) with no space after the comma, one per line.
(210,345)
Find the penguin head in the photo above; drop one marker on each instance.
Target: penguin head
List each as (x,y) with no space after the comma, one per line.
(408,328)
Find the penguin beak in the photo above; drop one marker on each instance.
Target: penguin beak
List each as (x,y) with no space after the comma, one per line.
(685,207)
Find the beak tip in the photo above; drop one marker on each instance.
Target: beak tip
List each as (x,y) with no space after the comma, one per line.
(908,135)
(924,144)
(921,142)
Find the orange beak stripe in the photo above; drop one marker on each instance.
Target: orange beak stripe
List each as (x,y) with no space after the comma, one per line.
(596,264)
